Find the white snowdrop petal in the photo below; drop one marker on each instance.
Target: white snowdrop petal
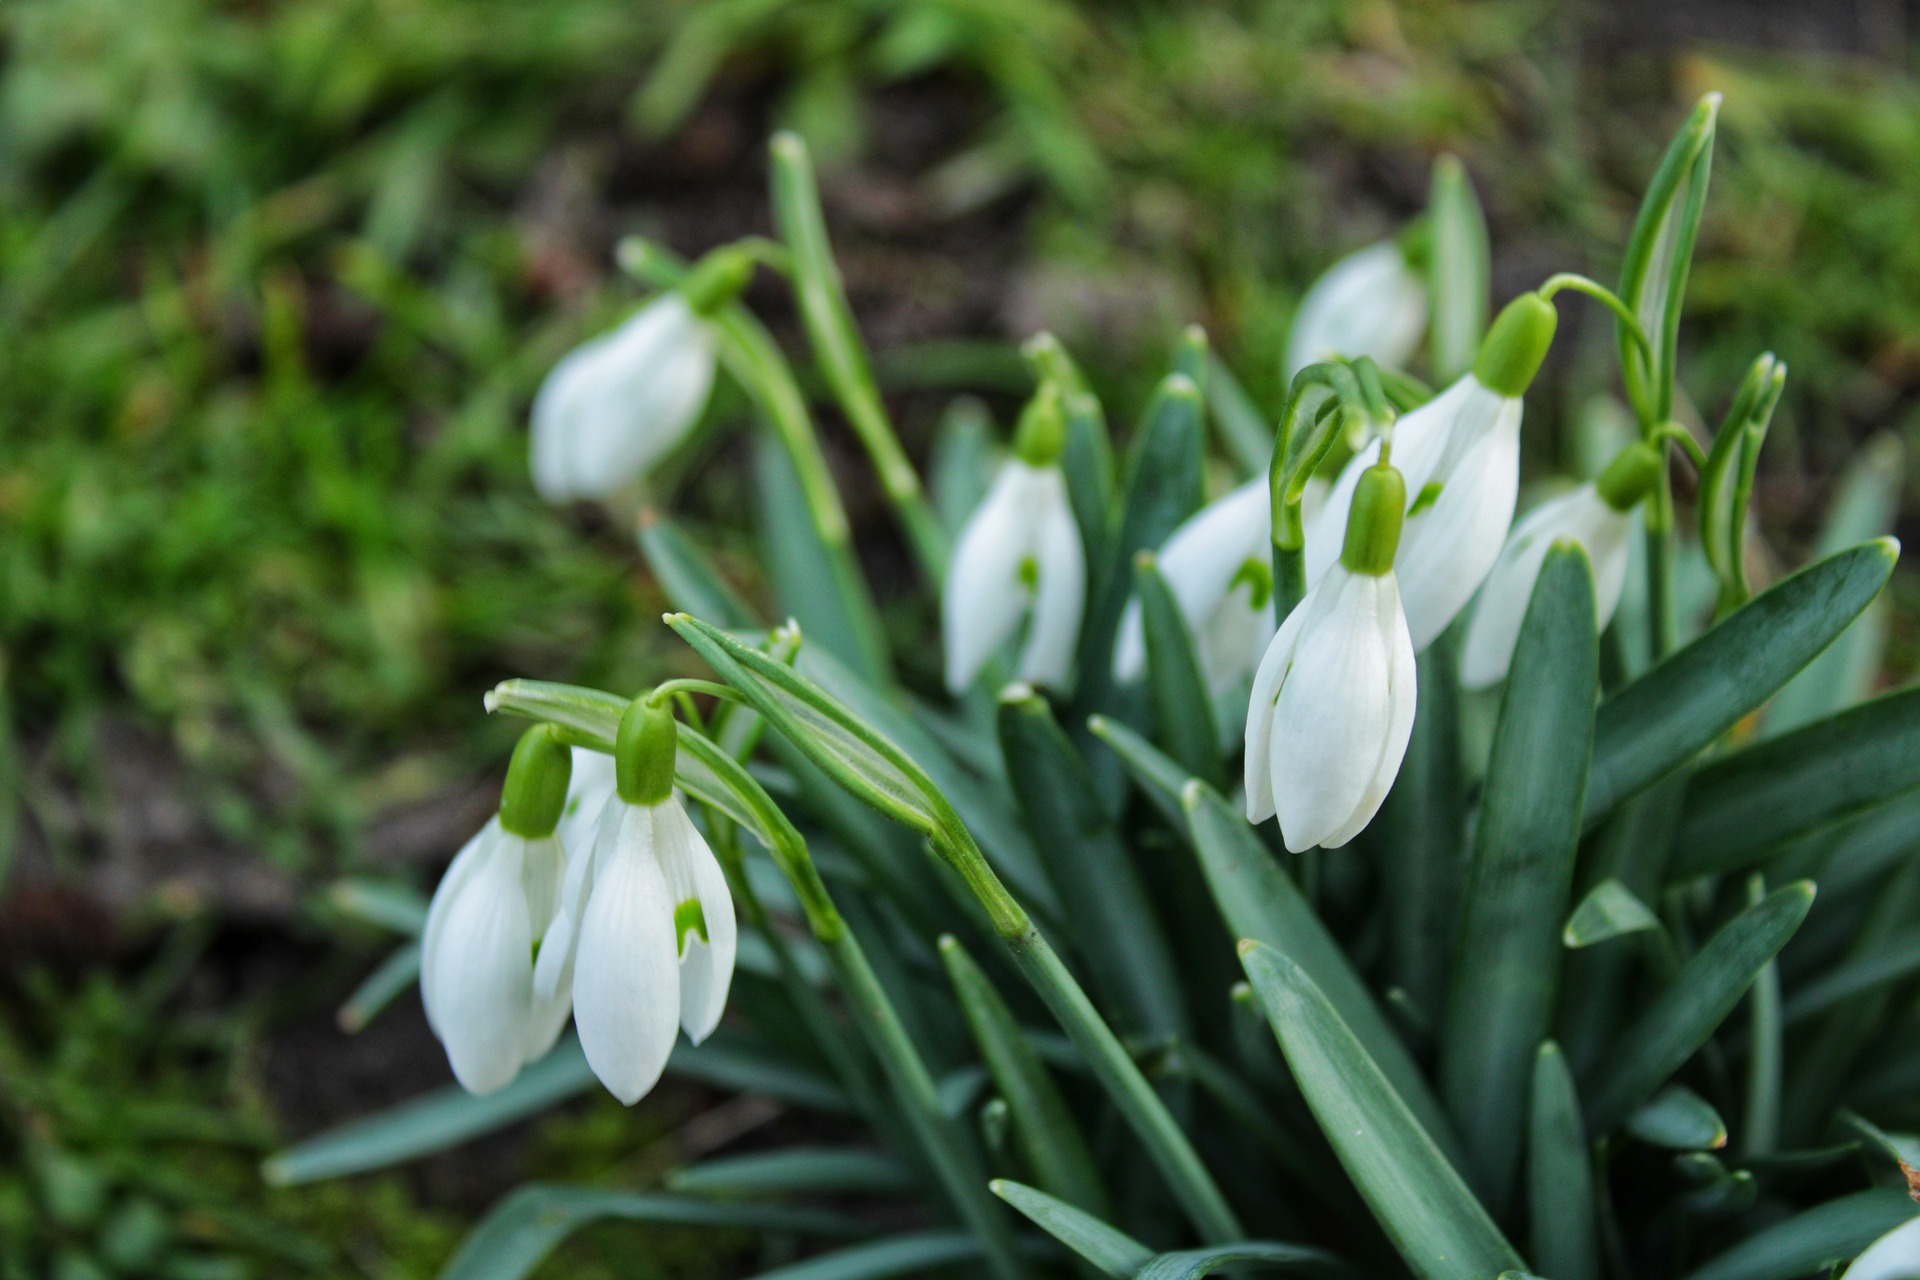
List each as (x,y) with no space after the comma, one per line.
(983,597)
(626,980)
(1447,549)
(1403,695)
(1059,596)
(1494,626)
(1268,679)
(483,984)
(1200,562)
(562,936)
(1369,303)
(588,791)
(1894,1256)
(458,872)
(1609,550)
(1334,711)
(706,968)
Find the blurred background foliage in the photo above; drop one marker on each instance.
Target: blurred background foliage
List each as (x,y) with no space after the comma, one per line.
(277,283)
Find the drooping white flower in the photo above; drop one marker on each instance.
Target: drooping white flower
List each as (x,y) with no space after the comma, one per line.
(1333,701)
(646,937)
(618,403)
(1460,454)
(1598,516)
(493,907)
(1894,1256)
(1370,303)
(587,795)
(1020,554)
(1218,565)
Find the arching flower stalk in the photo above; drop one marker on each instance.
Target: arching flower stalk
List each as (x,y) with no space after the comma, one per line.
(1020,554)
(1460,455)
(646,936)
(1333,700)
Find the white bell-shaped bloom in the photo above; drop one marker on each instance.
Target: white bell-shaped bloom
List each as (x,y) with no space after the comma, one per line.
(588,790)
(493,907)
(617,404)
(1333,701)
(1219,567)
(1460,454)
(1370,303)
(1580,515)
(645,939)
(1020,554)
(1894,1256)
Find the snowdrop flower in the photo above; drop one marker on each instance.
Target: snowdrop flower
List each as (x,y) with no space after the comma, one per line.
(645,938)
(1019,554)
(493,908)
(1460,454)
(1894,1256)
(1219,566)
(617,404)
(587,797)
(1333,700)
(1597,515)
(1370,303)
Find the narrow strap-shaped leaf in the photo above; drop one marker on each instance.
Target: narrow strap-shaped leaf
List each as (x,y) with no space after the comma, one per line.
(1048,1135)
(1261,902)
(1747,802)
(1678,1119)
(1867,505)
(1112,1251)
(911,1255)
(520,1231)
(1248,1255)
(1660,721)
(1699,999)
(390,905)
(1107,914)
(1419,1198)
(1507,965)
(1458,273)
(1897,959)
(1560,1174)
(1813,1241)
(1425,847)
(687,576)
(795,1171)
(1156,774)
(1182,706)
(1087,458)
(395,974)
(1245,429)
(961,468)
(1609,911)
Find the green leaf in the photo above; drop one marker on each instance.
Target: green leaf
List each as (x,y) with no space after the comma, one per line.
(1108,915)
(1048,1135)
(1260,902)
(1680,1120)
(396,973)
(1726,482)
(1747,802)
(1507,963)
(795,1171)
(691,582)
(908,1255)
(1160,777)
(1699,999)
(441,1119)
(1182,705)
(1813,1241)
(1659,253)
(1857,974)
(518,1233)
(1867,506)
(1609,910)
(1560,1174)
(1431,1217)
(1088,457)
(397,907)
(1248,434)
(1458,271)
(961,468)
(1109,1249)
(1251,1255)
(1660,721)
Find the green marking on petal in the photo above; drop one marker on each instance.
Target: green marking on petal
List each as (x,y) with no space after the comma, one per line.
(1257,576)
(1029,573)
(1428,496)
(688,916)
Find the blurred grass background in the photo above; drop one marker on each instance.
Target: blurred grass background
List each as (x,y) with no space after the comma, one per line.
(277,283)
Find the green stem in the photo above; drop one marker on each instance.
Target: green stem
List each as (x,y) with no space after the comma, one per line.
(712,688)
(1289,577)
(1606,297)
(841,354)
(1677,434)
(1660,556)
(1761,1132)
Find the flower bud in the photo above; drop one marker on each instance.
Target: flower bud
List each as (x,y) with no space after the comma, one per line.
(1629,477)
(1373,528)
(536,791)
(1516,344)
(1042,433)
(644,749)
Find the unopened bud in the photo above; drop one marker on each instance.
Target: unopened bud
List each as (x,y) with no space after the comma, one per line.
(1373,524)
(536,789)
(644,748)
(1042,433)
(1629,477)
